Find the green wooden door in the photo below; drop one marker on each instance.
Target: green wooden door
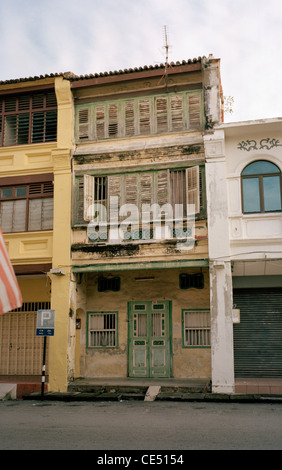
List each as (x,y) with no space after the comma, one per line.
(149,339)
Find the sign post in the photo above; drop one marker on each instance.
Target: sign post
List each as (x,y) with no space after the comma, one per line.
(45,327)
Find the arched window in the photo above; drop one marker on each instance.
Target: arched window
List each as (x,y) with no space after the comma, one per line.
(261,187)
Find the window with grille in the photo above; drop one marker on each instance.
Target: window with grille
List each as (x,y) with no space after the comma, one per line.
(128,117)
(102,330)
(28,118)
(26,207)
(143,189)
(196,328)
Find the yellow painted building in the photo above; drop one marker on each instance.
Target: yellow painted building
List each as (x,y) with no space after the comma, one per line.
(36,129)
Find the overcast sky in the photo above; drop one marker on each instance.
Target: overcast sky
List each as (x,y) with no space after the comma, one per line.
(40,37)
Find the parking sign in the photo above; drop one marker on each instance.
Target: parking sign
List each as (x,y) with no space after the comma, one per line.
(45,323)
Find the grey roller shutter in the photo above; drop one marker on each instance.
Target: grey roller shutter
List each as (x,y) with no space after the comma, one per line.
(258,336)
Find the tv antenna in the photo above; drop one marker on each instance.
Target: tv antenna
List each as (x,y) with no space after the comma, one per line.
(166,47)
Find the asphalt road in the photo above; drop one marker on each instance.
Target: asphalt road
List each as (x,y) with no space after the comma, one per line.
(138,425)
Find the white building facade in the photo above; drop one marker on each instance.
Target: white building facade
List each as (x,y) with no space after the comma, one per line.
(243,179)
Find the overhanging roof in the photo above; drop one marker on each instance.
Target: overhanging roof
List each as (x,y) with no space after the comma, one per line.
(88,268)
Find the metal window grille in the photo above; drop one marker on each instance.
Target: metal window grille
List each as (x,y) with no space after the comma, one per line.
(102,331)
(196,328)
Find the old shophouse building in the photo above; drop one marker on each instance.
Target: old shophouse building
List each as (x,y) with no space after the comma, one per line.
(35,195)
(141,291)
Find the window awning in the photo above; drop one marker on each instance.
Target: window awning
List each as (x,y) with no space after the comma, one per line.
(102,267)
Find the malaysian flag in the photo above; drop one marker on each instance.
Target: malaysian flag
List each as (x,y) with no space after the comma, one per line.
(10,294)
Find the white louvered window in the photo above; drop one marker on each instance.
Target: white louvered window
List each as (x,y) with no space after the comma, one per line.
(26,207)
(196,328)
(102,329)
(159,114)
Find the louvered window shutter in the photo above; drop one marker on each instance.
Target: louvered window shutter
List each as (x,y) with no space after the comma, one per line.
(88,200)
(113,120)
(100,121)
(146,194)
(162,187)
(129,117)
(193,188)
(130,187)
(176,112)
(194,107)
(161,114)
(144,106)
(83,124)
(114,186)
(79,212)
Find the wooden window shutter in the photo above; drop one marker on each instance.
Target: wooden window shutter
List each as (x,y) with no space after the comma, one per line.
(162,187)
(83,124)
(79,211)
(130,187)
(100,121)
(129,118)
(146,193)
(194,106)
(114,187)
(113,120)
(193,187)
(161,114)
(144,106)
(88,199)
(176,112)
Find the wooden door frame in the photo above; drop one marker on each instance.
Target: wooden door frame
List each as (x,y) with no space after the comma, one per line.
(129,303)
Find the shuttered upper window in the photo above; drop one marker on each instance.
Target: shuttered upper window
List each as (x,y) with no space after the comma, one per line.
(139,116)
(28,118)
(26,207)
(141,189)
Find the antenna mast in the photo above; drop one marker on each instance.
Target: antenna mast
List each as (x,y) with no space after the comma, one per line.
(166,46)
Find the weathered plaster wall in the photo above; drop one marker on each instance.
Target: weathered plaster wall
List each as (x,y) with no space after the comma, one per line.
(187,362)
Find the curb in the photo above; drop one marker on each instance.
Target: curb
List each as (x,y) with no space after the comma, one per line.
(181,397)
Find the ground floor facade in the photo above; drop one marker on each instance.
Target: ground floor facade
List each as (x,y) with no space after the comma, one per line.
(143,324)
(150,324)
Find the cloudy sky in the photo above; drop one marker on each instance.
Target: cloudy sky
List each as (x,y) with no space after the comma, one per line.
(40,37)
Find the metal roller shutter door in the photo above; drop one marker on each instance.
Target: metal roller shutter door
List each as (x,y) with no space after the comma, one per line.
(258,336)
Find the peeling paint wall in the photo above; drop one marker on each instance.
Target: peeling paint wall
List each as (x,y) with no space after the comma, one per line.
(186,362)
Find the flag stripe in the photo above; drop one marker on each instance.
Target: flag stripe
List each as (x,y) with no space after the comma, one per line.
(10,294)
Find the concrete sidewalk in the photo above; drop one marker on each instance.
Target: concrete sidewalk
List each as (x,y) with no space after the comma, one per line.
(119,389)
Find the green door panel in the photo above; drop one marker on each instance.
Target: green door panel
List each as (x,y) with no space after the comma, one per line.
(149,339)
